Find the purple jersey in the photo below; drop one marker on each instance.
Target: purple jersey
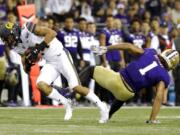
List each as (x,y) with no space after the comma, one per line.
(137,39)
(85,39)
(113,37)
(69,39)
(1,50)
(3,12)
(145,71)
(124,19)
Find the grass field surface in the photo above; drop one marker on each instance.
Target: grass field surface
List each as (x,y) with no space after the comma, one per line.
(127,121)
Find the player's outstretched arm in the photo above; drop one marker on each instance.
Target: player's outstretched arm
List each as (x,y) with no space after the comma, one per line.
(160,88)
(121,46)
(126,46)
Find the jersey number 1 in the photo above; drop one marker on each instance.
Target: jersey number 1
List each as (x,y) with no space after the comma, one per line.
(144,70)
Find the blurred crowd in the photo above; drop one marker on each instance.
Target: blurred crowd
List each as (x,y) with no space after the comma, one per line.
(144,23)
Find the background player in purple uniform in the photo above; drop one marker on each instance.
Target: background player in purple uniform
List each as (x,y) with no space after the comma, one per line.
(148,69)
(110,36)
(69,36)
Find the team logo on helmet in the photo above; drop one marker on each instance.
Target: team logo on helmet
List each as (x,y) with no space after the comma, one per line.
(171,57)
(9,25)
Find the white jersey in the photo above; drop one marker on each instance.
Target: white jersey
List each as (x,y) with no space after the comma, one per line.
(57,59)
(29,39)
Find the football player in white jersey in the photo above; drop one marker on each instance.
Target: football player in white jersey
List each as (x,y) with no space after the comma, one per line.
(43,40)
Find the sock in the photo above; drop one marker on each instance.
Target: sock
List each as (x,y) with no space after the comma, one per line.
(57,96)
(115,106)
(93,98)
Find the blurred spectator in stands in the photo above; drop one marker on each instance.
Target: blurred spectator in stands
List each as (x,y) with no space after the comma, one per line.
(167,18)
(154,7)
(11,17)
(176,12)
(154,27)
(73,10)
(3,10)
(85,11)
(171,3)
(142,7)
(177,71)
(98,10)
(132,14)
(117,24)
(146,16)
(122,14)
(164,7)
(162,41)
(135,8)
(145,28)
(173,33)
(40,4)
(58,8)
(12,6)
(112,5)
(124,2)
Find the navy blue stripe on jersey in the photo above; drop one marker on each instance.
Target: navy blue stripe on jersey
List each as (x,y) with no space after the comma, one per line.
(30,26)
(1,50)
(86,51)
(71,62)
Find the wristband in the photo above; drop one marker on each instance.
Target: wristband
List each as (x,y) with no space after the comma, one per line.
(42,46)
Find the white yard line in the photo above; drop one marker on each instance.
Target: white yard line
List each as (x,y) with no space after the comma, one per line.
(124,107)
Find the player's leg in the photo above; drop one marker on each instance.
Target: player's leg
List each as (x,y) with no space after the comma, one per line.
(113,82)
(67,69)
(115,106)
(47,76)
(2,67)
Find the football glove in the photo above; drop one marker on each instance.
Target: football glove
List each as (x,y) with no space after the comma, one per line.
(31,55)
(99,50)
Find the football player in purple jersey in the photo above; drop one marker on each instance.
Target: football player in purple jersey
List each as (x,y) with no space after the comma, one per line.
(148,69)
(69,37)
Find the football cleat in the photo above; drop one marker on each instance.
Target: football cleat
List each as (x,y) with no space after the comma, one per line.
(104,114)
(153,122)
(69,111)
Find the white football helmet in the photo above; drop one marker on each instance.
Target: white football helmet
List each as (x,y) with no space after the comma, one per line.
(171,57)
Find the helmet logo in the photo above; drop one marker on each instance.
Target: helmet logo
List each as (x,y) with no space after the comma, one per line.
(9,25)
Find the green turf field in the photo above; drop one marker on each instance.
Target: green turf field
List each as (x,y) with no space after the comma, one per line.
(128,121)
